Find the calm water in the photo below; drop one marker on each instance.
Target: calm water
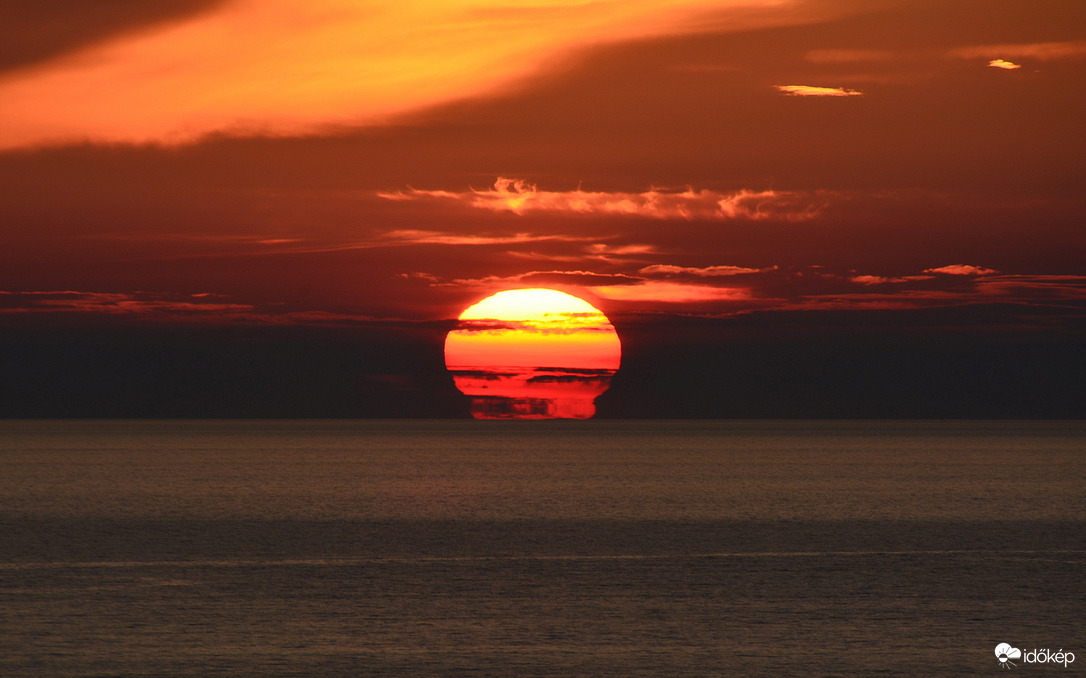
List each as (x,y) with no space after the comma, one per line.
(539,548)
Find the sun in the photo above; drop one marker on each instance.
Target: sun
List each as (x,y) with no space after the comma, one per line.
(533,353)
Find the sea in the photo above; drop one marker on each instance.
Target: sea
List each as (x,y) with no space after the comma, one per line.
(541,548)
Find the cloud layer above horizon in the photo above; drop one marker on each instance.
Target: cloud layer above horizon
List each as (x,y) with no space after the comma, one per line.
(266,161)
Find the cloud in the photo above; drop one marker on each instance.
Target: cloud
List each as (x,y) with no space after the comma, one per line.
(201,307)
(1041,51)
(1005,65)
(582,278)
(114,303)
(708,271)
(811,91)
(957,286)
(283,67)
(421,237)
(671,292)
(552,278)
(606,251)
(1062,289)
(521,197)
(882,280)
(613,286)
(961,269)
(595,252)
(867,301)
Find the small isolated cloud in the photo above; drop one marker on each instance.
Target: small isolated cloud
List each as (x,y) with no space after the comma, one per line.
(1005,65)
(811,91)
(961,269)
(521,197)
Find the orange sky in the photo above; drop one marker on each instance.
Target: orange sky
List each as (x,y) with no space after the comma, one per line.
(283,163)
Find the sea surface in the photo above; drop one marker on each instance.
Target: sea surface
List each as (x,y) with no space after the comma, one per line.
(540,548)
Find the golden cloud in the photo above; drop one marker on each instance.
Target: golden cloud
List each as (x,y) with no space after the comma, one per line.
(961,269)
(811,91)
(283,67)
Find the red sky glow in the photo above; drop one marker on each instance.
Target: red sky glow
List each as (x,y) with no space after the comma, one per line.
(847,165)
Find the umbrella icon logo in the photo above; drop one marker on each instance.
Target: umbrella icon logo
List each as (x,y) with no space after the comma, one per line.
(1005,653)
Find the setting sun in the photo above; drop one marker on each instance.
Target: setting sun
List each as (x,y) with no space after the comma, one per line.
(331,298)
(533,353)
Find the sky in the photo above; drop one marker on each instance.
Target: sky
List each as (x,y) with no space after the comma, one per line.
(786,208)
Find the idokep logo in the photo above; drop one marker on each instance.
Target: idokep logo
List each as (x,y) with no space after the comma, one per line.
(1005,653)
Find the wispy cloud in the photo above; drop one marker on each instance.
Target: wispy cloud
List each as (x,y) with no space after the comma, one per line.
(201,307)
(557,278)
(521,197)
(961,269)
(287,67)
(1037,288)
(611,252)
(947,286)
(812,91)
(731,290)
(707,271)
(595,252)
(1041,51)
(671,292)
(613,287)
(883,280)
(115,303)
(422,237)
(199,238)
